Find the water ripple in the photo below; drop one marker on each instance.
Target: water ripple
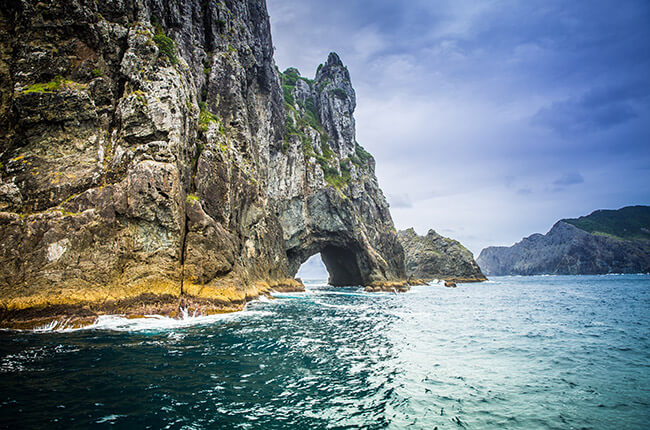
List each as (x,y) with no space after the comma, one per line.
(538,352)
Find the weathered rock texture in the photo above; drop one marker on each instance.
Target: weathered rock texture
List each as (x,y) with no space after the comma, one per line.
(437,257)
(602,242)
(146,162)
(325,185)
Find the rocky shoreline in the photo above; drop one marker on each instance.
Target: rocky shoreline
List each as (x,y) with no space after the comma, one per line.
(154,156)
(80,314)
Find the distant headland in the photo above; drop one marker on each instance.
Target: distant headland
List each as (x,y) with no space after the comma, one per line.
(605,241)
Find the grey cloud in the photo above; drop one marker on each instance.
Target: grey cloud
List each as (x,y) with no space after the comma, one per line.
(571,178)
(597,109)
(524,191)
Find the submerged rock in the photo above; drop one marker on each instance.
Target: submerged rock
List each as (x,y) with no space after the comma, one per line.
(153,155)
(391,287)
(436,257)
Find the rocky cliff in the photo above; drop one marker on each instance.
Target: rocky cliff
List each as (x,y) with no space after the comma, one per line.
(437,257)
(602,242)
(327,195)
(153,157)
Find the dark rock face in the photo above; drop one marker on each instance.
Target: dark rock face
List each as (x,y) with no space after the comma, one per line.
(144,162)
(436,257)
(567,250)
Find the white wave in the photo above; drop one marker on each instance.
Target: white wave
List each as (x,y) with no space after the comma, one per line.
(316,284)
(336,293)
(293,295)
(51,326)
(109,419)
(332,305)
(122,323)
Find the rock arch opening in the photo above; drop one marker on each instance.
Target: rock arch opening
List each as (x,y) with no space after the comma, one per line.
(313,269)
(342,265)
(354,236)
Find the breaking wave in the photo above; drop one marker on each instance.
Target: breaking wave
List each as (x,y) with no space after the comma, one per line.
(121,323)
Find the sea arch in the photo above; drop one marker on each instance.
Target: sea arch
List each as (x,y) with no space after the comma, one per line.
(326,224)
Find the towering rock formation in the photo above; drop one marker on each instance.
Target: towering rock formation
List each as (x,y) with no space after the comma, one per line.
(325,185)
(606,241)
(437,257)
(149,160)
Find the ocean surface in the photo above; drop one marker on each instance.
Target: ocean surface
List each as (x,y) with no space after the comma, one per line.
(515,352)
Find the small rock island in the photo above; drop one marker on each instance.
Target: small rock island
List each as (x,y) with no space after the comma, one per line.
(437,257)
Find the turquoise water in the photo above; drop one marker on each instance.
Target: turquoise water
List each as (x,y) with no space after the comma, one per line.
(516,352)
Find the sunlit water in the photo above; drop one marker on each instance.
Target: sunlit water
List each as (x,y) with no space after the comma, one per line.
(515,352)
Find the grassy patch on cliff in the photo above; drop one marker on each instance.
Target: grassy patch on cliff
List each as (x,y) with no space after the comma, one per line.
(292,130)
(361,157)
(55,85)
(165,44)
(289,78)
(206,117)
(336,180)
(630,223)
(288,94)
(301,113)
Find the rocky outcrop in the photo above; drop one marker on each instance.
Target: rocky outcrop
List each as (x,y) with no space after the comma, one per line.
(327,195)
(149,161)
(616,243)
(437,257)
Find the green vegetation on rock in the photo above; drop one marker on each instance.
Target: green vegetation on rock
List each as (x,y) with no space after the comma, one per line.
(302,115)
(345,169)
(55,85)
(338,92)
(288,96)
(360,157)
(165,45)
(140,96)
(290,76)
(206,117)
(308,118)
(629,223)
(292,130)
(327,151)
(336,180)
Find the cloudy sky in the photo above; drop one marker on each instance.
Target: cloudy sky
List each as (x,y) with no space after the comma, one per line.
(489,120)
